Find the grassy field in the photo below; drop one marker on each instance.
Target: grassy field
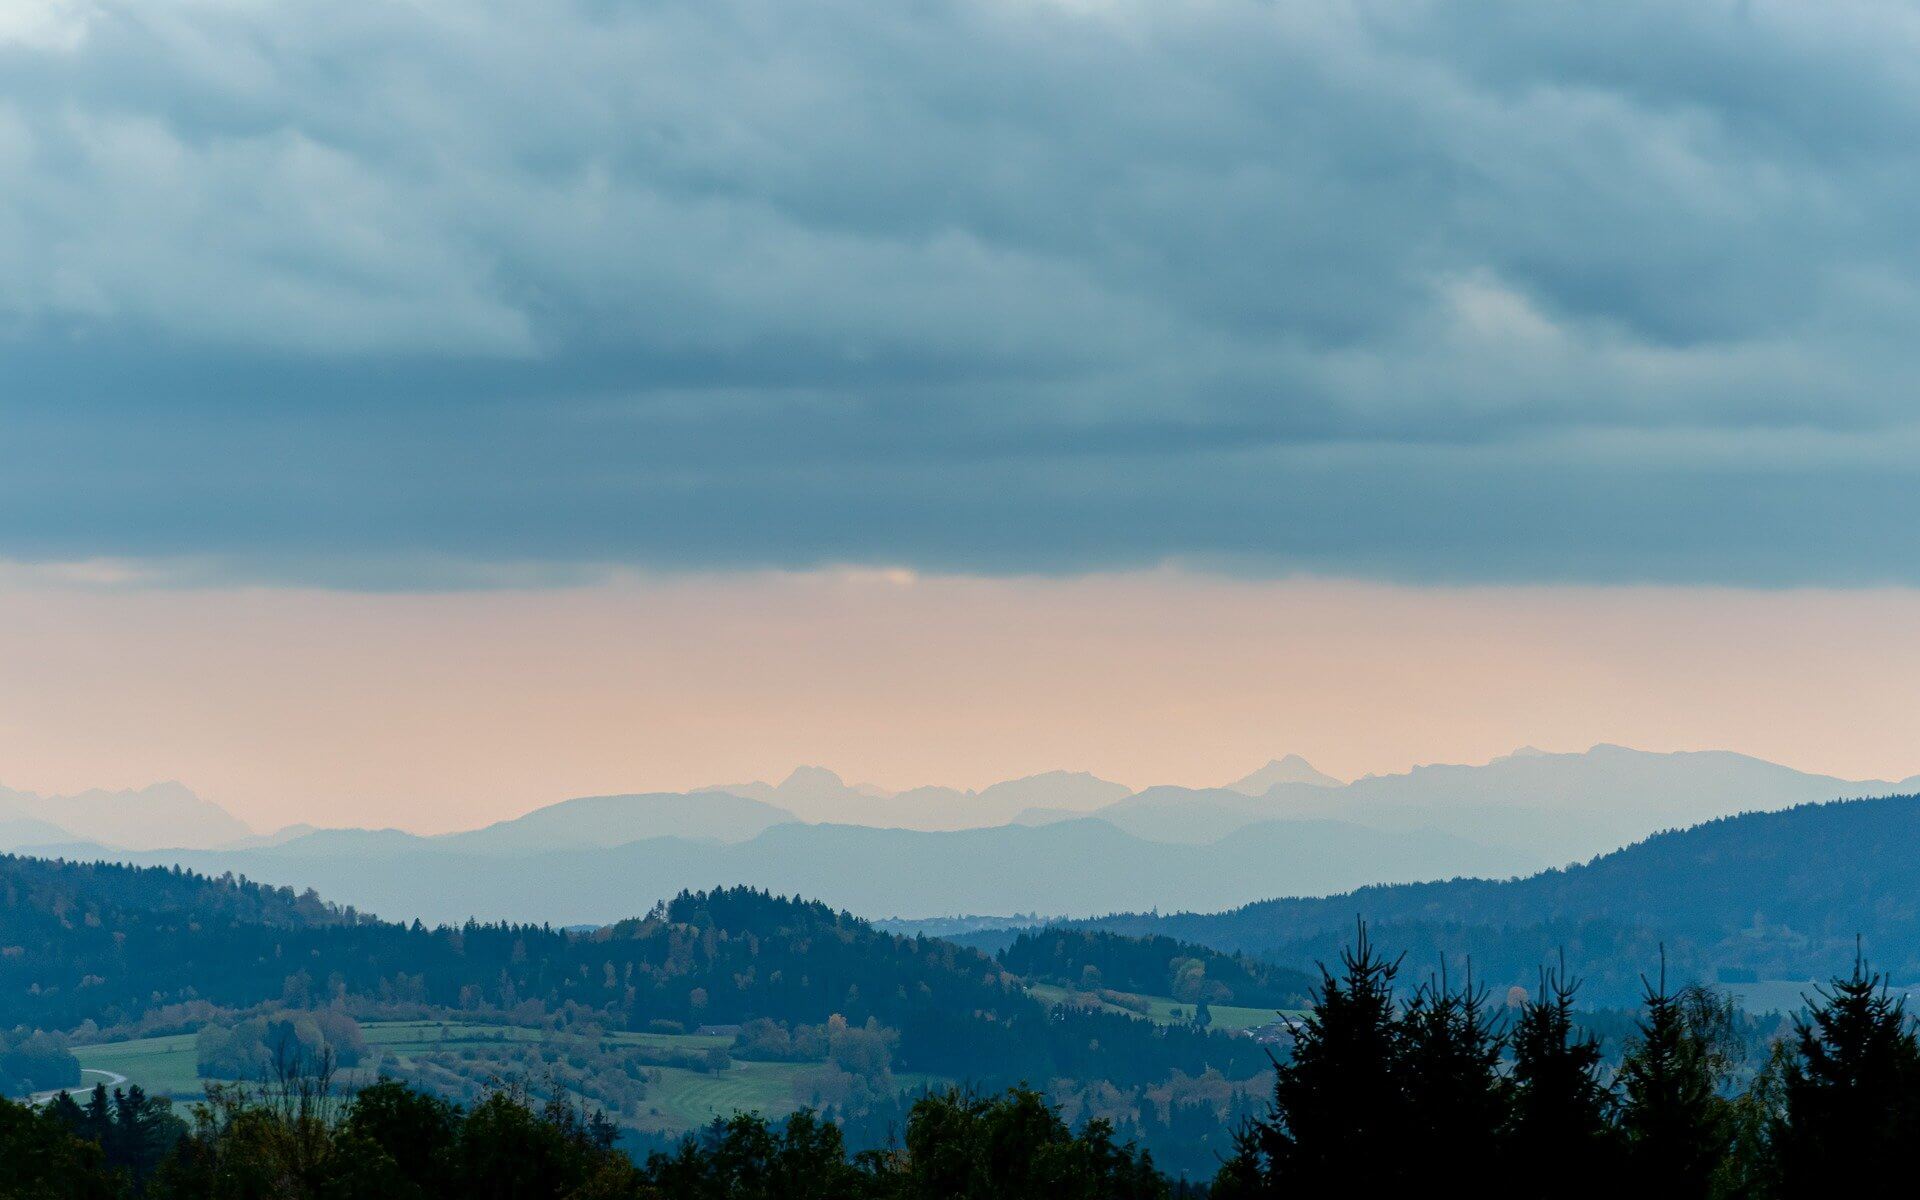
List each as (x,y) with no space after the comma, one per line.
(1226,1017)
(165,1066)
(685,1099)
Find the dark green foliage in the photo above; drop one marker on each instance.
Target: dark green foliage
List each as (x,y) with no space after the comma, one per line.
(1377,1098)
(1456,1092)
(35,1061)
(732,956)
(1677,1129)
(290,1140)
(42,1159)
(1560,1135)
(508,1151)
(747,1158)
(134,1131)
(726,957)
(248,1049)
(1341,1114)
(1092,959)
(1777,895)
(1852,1091)
(414,1136)
(1015,1147)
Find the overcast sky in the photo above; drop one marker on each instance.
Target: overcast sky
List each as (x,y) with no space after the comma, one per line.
(403,295)
(427,299)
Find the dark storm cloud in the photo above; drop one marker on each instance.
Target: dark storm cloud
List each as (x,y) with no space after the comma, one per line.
(397,295)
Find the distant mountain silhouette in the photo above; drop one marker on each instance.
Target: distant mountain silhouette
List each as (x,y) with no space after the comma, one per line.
(817,794)
(935,851)
(1291,769)
(602,821)
(160,814)
(1550,808)
(1081,867)
(803,786)
(27,833)
(1191,815)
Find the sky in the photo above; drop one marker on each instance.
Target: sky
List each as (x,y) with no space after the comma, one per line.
(350,326)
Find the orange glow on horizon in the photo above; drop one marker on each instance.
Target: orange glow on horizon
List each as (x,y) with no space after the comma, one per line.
(444,711)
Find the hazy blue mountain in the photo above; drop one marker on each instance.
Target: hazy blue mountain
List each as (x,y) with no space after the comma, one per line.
(161,814)
(1080,867)
(284,834)
(584,823)
(812,791)
(27,833)
(1190,815)
(1074,790)
(327,843)
(601,821)
(1291,769)
(817,794)
(1550,808)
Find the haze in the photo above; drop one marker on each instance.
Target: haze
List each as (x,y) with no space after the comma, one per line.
(441,711)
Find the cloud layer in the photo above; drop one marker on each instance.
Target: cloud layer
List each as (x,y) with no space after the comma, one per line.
(407,294)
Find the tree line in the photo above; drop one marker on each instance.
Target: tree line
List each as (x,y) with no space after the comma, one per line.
(292,1138)
(1385,1091)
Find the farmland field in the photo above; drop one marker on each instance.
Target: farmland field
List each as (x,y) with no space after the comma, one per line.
(681,1099)
(1227,1018)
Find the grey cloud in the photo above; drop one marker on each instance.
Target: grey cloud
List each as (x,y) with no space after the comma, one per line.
(1596,291)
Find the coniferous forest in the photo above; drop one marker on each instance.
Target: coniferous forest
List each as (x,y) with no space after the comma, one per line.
(1383,1082)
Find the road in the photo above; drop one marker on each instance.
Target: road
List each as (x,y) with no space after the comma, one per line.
(110,1078)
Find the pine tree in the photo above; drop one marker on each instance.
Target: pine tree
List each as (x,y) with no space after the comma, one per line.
(1457,1095)
(1676,1127)
(1853,1091)
(1561,1137)
(1340,1115)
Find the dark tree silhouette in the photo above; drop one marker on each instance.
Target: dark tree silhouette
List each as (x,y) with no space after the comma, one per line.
(1561,1137)
(1341,1117)
(1853,1090)
(1457,1094)
(1676,1127)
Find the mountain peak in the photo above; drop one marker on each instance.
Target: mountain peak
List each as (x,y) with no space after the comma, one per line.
(1290,769)
(812,777)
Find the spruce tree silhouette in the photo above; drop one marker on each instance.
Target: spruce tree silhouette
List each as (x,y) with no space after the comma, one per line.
(1340,1116)
(1677,1128)
(1457,1095)
(1853,1091)
(1562,1141)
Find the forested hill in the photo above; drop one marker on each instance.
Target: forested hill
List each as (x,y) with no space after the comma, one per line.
(1778,895)
(94,895)
(1095,958)
(74,947)
(106,943)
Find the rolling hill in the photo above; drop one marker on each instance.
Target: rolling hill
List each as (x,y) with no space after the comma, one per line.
(1775,895)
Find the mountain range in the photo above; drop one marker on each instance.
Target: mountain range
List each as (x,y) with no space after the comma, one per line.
(1550,809)
(817,794)
(1077,867)
(161,814)
(1060,842)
